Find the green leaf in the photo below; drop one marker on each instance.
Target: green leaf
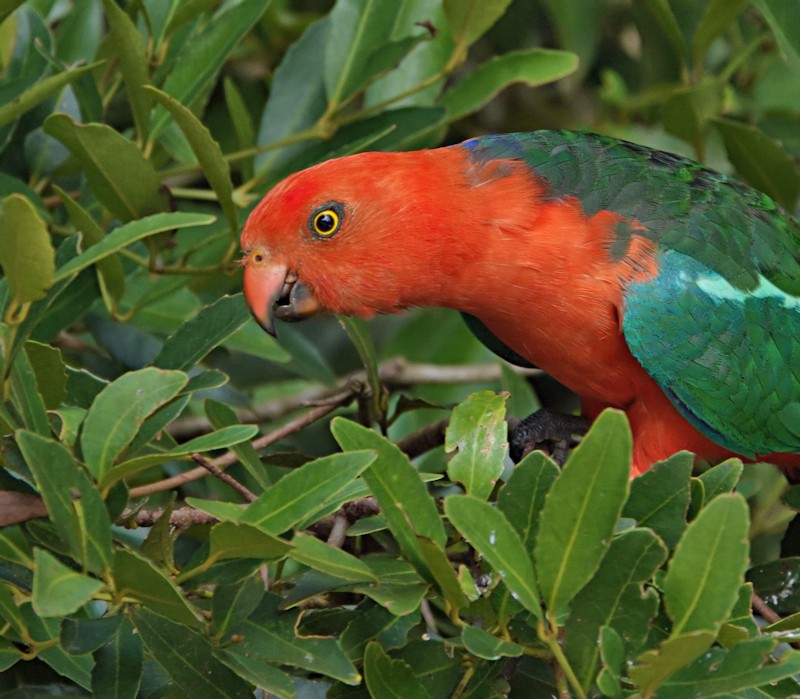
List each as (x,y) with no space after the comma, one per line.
(296,100)
(188,658)
(668,24)
(358,333)
(233,604)
(442,571)
(718,16)
(390,679)
(471,19)
(74,505)
(220,416)
(240,540)
(657,665)
(776,583)
(26,397)
(404,500)
(522,497)
(488,646)
(533,67)
(221,439)
(120,176)
(266,677)
(310,551)
(615,598)
(127,47)
(702,583)
(57,589)
(26,254)
(724,672)
(399,588)
(491,534)
(209,328)
(612,654)
(301,492)
(205,54)
(119,411)
(760,161)
(581,510)
(372,622)
(80,635)
(50,370)
(357,28)
(129,233)
(721,478)
(782,15)
(477,433)
(207,151)
(270,636)
(659,497)
(138,578)
(39,92)
(117,671)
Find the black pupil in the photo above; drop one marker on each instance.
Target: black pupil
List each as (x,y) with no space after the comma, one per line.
(325,223)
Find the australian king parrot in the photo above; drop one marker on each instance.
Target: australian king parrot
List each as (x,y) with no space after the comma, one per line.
(639,279)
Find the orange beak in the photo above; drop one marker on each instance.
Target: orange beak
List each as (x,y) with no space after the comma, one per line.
(269,283)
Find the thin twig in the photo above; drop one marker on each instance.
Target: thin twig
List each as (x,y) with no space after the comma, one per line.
(760,606)
(339,530)
(226,478)
(424,439)
(182,518)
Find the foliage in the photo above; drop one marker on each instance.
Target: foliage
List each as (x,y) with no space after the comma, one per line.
(134,139)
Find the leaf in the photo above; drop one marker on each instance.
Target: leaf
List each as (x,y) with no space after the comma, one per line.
(372,622)
(57,589)
(26,254)
(73,504)
(300,492)
(80,635)
(522,497)
(721,478)
(118,173)
(491,534)
(724,672)
(478,435)
(270,636)
(702,583)
(488,646)
(266,677)
(126,46)
(404,500)
(533,67)
(782,15)
(399,588)
(129,233)
(138,578)
(195,338)
(188,658)
(358,333)
(718,16)
(240,540)
(760,161)
(206,150)
(296,100)
(659,497)
(615,598)
(659,664)
(581,510)
(39,92)
(390,679)
(471,19)
(50,370)
(233,604)
(26,397)
(117,671)
(357,28)
(120,409)
(778,584)
(205,55)
(310,551)
(442,571)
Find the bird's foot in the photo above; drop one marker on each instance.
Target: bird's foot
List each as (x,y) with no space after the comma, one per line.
(546,430)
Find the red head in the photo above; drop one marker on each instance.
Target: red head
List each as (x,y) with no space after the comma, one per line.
(374,233)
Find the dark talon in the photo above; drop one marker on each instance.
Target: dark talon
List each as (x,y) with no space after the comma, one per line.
(548,431)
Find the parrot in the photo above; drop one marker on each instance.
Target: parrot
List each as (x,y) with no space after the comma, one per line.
(641,280)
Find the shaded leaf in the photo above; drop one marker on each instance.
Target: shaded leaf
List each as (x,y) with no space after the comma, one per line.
(470,19)
(117,671)
(655,666)
(488,646)
(187,657)
(491,534)
(389,678)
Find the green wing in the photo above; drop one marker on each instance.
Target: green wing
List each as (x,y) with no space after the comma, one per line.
(719,327)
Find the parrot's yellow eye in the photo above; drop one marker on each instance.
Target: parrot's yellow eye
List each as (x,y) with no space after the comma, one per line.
(326,220)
